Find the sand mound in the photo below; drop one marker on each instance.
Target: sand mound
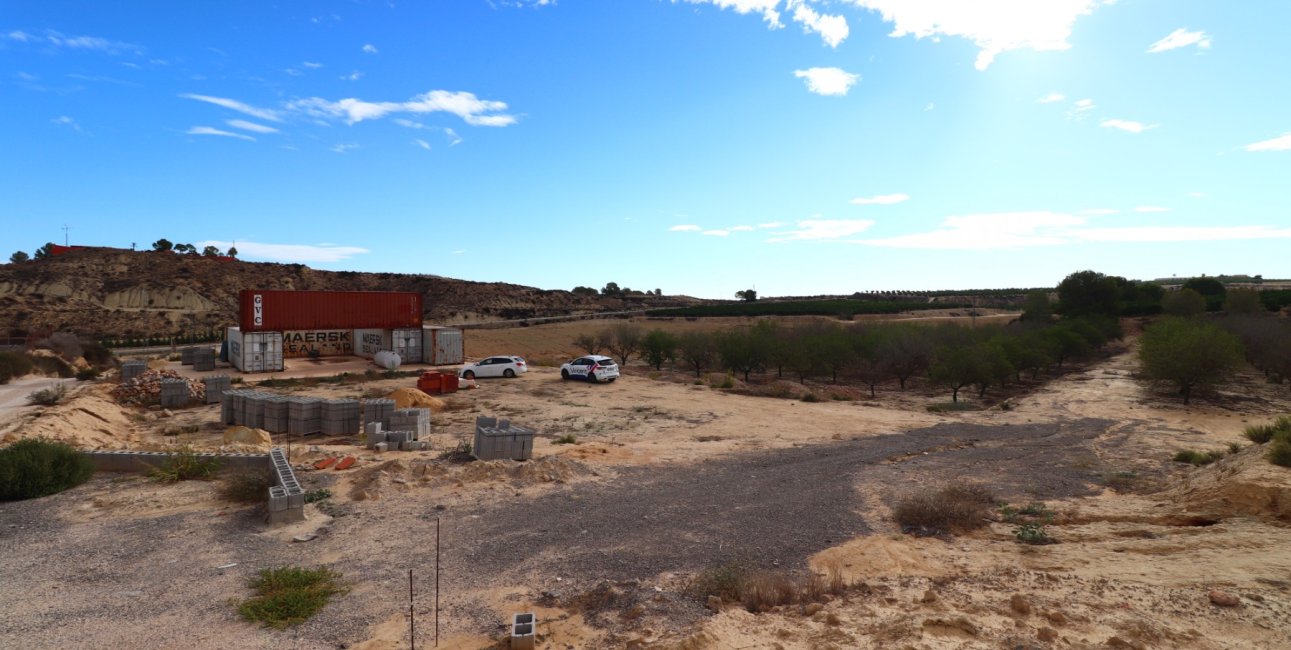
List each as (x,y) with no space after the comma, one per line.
(880,555)
(247,436)
(1244,483)
(91,420)
(406,398)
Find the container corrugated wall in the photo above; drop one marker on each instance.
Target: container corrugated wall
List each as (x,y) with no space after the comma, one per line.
(317,343)
(368,342)
(255,351)
(407,343)
(280,311)
(442,346)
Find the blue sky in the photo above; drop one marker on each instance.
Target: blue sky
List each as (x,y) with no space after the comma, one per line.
(698,146)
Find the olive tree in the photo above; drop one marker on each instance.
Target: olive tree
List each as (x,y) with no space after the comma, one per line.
(1188,354)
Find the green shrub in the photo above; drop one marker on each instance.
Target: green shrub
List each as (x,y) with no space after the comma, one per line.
(951,509)
(1234,447)
(185,465)
(459,454)
(1198,458)
(35,468)
(1280,453)
(246,487)
(811,398)
(321,494)
(49,396)
(288,596)
(1260,433)
(1033,533)
(726,581)
(87,374)
(13,365)
(567,439)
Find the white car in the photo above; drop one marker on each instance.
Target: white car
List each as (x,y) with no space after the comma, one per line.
(494,367)
(593,368)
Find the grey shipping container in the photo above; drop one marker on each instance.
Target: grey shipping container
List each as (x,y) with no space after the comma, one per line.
(442,346)
(368,342)
(255,351)
(407,343)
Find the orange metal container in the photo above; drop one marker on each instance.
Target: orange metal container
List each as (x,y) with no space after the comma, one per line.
(284,311)
(430,382)
(448,382)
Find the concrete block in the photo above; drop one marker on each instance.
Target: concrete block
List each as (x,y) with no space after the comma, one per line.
(382,446)
(524,631)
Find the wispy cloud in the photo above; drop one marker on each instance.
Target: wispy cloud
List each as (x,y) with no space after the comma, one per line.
(370,49)
(1151,208)
(287,252)
(60,40)
(1280,143)
(1180,38)
(833,29)
(880,199)
(1051,98)
(453,138)
(995,27)
(421,143)
(66,121)
(717,232)
(250,126)
(235,105)
(740,228)
(1127,125)
(20,36)
(827,81)
(685,227)
(353,76)
(311,65)
(209,130)
(472,110)
(342,148)
(823,229)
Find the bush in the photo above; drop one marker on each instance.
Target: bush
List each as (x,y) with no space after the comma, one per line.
(49,396)
(14,365)
(810,398)
(1198,458)
(185,465)
(1033,533)
(246,487)
(321,494)
(951,509)
(1280,453)
(726,581)
(459,454)
(288,596)
(36,468)
(760,591)
(87,374)
(1262,433)
(567,439)
(52,366)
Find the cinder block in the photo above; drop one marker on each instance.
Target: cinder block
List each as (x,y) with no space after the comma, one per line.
(524,631)
(382,446)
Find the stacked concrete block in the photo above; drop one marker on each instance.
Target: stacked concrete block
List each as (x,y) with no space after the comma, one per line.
(524,631)
(498,440)
(215,387)
(203,359)
(132,369)
(275,414)
(412,419)
(174,393)
(228,412)
(304,415)
(186,356)
(340,417)
(253,409)
(382,440)
(286,498)
(378,410)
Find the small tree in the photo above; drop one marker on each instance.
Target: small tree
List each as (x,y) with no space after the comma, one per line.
(18,257)
(658,348)
(233,251)
(162,244)
(1185,302)
(589,343)
(210,251)
(611,289)
(747,295)
(584,291)
(1037,308)
(43,252)
(1188,353)
(697,350)
(623,341)
(1243,301)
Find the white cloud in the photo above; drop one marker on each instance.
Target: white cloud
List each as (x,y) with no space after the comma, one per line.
(1099,211)
(1180,38)
(342,148)
(408,123)
(66,121)
(353,76)
(250,126)
(20,36)
(832,29)
(473,110)
(686,227)
(453,138)
(287,252)
(421,143)
(1080,107)
(233,104)
(818,229)
(988,231)
(881,199)
(1151,208)
(1127,125)
(827,81)
(312,65)
(370,49)
(1280,143)
(207,130)
(767,8)
(1051,98)
(1083,105)
(773,224)
(719,232)
(995,26)
(740,228)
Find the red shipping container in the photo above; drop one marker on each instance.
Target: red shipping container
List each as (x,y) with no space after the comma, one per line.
(448,383)
(431,383)
(280,311)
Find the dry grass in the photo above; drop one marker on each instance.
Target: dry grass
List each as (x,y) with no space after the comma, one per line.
(761,591)
(951,509)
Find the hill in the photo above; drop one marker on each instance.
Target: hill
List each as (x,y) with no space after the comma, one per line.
(107,292)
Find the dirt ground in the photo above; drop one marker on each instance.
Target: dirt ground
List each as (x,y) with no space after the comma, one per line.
(665,478)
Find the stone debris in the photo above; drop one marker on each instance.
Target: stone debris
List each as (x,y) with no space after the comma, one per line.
(145,388)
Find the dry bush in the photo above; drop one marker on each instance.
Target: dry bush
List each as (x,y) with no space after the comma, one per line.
(64,344)
(760,591)
(951,509)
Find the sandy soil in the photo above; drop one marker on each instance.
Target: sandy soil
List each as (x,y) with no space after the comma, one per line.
(1142,540)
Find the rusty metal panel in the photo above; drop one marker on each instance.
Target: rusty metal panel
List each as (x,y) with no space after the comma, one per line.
(442,346)
(287,311)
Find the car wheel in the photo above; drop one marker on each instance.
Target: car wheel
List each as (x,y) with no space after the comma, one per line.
(564,374)
(591,377)
(469,374)
(610,381)
(509,373)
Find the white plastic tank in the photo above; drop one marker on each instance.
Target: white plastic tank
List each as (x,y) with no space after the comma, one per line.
(388,360)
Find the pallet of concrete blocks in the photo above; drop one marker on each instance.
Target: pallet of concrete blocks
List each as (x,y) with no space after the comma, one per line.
(174,393)
(132,369)
(340,417)
(304,415)
(412,419)
(378,410)
(186,356)
(275,414)
(204,359)
(499,439)
(381,440)
(253,409)
(215,387)
(228,407)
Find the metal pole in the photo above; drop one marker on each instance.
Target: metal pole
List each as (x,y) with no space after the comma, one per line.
(412,624)
(436,582)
